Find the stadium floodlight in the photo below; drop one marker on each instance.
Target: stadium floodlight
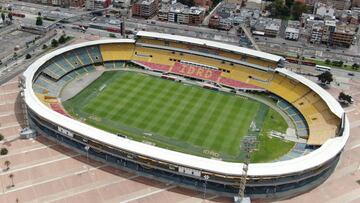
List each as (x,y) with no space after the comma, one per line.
(248,145)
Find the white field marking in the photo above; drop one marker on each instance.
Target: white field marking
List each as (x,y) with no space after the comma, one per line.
(148,194)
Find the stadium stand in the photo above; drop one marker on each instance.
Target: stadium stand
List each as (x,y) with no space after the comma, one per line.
(152,55)
(206,49)
(95,54)
(116,52)
(83,55)
(154,66)
(58,108)
(109,64)
(237,84)
(48,86)
(299,121)
(196,72)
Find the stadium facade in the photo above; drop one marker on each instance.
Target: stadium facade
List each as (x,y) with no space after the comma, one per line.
(327,127)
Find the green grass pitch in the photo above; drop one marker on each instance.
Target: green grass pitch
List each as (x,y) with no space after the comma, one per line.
(176,116)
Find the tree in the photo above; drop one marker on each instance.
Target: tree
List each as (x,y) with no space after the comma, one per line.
(338,63)
(327,61)
(345,98)
(54,43)
(3,17)
(278,9)
(11,176)
(1,137)
(39,21)
(325,78)
(289,3)
(112,35)
(355,66)
(297,9)
(44,46)
(3,151)
(28,56)
(341,63)
(62,39)
(39,13)
(7,164)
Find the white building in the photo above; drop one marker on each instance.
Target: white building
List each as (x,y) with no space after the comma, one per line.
(121,3)
(324,10)
(90,4)
(316,34)
(292,33)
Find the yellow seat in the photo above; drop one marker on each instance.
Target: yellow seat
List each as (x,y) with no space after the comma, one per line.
(115,52)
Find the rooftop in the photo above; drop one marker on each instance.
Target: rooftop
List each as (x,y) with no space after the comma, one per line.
(292,30)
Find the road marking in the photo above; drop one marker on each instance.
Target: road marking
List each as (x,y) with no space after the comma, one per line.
(30,150)
(148,194)
(356,146)
(40,164)
(9,92)
(53,179)
(87,189)
(9,126)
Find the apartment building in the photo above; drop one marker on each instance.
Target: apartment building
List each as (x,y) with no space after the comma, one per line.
(145,8)
(182,14)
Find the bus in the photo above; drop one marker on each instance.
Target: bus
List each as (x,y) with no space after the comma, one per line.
(322,68)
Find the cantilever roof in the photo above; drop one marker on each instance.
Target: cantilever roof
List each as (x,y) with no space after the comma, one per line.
(212,44)
(327,151)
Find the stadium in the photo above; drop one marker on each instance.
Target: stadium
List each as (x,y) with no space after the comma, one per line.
(178,109)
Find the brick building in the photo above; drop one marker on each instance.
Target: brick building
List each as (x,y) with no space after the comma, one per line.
(145,8)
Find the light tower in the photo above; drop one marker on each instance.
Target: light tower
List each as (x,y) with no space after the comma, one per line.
(248,145)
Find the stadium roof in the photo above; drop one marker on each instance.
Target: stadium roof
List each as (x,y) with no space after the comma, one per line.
(326,152)
(212,44)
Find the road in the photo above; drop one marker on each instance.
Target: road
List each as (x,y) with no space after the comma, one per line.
(309,50)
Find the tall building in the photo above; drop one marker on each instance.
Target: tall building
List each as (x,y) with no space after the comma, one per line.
(182,14)
(145,8)
(337,4)
(342,36)
(292,33)
(328,30)
(316,34)
(324,10)
(90,4)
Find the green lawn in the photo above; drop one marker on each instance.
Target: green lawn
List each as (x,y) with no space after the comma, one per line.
(180,117)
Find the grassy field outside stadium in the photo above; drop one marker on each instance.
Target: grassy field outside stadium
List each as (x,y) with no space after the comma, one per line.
(178,116)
